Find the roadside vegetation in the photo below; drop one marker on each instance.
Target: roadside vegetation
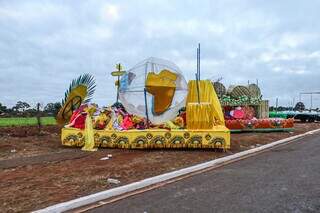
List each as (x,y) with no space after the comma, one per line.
(23,114)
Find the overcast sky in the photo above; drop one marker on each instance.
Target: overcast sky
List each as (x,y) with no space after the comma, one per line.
(45,44)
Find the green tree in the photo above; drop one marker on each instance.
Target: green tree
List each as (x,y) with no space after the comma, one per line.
(300,106)
(52,108)
(21,106)
(3,108)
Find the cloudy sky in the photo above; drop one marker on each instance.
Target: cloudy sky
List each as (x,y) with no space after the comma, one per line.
(45,44)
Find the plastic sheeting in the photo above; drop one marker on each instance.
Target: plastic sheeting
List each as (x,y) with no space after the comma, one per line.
(132,86)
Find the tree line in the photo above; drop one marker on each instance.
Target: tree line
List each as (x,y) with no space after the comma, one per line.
(298,107)
(24,109)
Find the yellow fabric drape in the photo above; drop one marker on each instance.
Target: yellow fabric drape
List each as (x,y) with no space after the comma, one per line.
(208,111)
(88,135)
(171,125)
(199,116)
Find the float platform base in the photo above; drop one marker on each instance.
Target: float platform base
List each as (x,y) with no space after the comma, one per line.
(219,137)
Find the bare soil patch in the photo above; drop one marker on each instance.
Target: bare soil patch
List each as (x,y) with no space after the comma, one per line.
(41,172)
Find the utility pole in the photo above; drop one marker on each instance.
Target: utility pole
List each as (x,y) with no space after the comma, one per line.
(198,72)
(293,101)
(38,118)
(118,73)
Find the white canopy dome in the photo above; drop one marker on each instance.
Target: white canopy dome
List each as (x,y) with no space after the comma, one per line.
(132,86)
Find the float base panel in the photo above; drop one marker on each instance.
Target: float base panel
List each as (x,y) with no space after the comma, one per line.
(219,137)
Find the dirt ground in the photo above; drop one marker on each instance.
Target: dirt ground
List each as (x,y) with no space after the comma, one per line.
(37,171)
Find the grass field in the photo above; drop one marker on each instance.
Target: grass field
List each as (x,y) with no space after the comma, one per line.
(26,121)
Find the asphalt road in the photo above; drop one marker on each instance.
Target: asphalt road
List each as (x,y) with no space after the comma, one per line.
(284,179)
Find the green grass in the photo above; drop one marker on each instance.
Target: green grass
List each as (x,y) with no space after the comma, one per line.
(26,121)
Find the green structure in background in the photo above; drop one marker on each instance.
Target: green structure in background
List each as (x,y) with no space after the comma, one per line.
(304,116)
(274,114)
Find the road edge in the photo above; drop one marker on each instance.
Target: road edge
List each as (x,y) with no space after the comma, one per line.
(103,195)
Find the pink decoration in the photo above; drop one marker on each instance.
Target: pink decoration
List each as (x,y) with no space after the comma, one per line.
(238,113)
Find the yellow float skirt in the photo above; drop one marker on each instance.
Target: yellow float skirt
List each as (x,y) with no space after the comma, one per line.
(217,137)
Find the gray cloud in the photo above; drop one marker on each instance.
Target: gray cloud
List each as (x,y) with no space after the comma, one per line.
(45,44)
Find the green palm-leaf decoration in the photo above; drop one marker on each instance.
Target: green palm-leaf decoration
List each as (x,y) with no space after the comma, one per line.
(85,80)
(80,91)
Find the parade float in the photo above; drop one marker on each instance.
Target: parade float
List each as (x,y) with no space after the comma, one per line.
(155,108)
(245,110)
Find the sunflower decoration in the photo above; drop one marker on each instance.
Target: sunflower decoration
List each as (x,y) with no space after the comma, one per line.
(79,92)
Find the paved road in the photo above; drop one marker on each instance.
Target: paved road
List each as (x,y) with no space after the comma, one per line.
(285,179)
